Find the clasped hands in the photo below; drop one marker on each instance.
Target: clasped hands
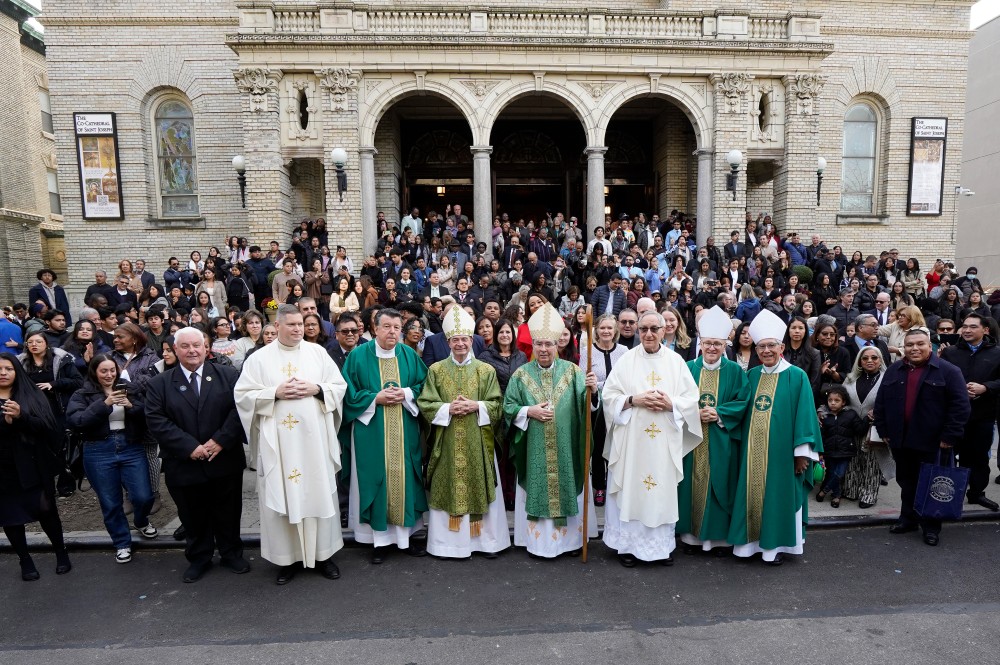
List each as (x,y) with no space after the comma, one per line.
(654,400)
(708,414)
(463,406)
(296,388)
(206,451)
(393,395)
(543,412)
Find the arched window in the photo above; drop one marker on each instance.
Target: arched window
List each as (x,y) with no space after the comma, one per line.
(176,159)
(859,159)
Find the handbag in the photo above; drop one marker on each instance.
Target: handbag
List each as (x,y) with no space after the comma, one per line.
(941,489)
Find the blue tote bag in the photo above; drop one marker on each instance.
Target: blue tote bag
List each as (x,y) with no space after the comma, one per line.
(941,489)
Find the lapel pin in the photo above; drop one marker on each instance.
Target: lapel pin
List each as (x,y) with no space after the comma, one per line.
(208,378)
(183,389)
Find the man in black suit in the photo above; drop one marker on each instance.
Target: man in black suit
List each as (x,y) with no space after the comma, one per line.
(735,249)
(881,310)
(191,412)
(99,287)
(512,252)
(433,288)
(609,298)
(866,334)
(122,294)
(147,279)
(396,264)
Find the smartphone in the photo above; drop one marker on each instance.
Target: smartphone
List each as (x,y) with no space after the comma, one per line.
(121,387)
(946,338)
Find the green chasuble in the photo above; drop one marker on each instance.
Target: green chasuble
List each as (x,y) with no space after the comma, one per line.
(460,472)
(781,416)
(548,457)
(706,494)
(387,449)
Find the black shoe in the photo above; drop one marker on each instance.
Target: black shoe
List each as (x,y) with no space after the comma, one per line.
(195,572)
(286,574)
(65,492)
(28,571)
(576,552)
(328,569)
(237,564)
(63,564)
(669,561)
(343,521)
(416,550)
(931,539)
(985,502)
(865,504)
(903,527)
(627,560)
(778,560)
(997,481)
(489,555)
(180,533)
(690,550)
(885,483)
(378,555)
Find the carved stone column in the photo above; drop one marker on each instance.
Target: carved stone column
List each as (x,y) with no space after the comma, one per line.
(366,163)
(704,202)
(269,207)
(595,187)
(482,194)
(795,180)
(732,117)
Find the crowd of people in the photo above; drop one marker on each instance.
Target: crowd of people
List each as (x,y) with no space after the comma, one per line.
(421,387)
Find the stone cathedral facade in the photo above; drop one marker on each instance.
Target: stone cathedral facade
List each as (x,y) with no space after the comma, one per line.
(562,106)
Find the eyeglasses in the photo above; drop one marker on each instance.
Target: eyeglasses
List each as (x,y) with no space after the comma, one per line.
(221,324)
(767,346)
(650,329)
(626,322)
(348,331)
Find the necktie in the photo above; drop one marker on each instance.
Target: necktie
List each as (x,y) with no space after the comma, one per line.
(194,384)
(869,343)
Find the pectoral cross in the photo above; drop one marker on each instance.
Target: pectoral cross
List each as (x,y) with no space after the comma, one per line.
(653,378)
(652,431)
(295,476)
(649,482)
(290,422)
(289,370)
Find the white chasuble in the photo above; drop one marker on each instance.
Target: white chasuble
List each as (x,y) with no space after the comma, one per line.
(645,449)
(296,449)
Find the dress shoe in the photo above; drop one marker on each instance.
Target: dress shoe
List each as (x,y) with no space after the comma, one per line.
(690,550)
(669,561)
(931,538)
(63,564)
(286,574)
(328,569)
(997,481)
(779,559)
(237,565)
(903,527)
(416,549)
(378,555)
(180,533)
(576,552)
(28,571)
(985,502)
(195,572)
(489,555)
(865,504)
(627,560)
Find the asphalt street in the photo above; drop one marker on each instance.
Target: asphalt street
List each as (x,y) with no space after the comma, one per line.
(857,596)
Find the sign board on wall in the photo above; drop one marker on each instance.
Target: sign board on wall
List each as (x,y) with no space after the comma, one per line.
(928,141)
(98,163)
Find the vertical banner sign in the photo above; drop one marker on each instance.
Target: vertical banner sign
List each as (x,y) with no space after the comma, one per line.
(928,140)
(97,158)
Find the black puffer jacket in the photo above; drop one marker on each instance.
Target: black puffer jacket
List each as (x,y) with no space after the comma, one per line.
(840,433)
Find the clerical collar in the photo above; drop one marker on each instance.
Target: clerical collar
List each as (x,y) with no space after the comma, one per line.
(285,347)
(777,369)
(465,362)
(708,365)
(658,351)
(383,353)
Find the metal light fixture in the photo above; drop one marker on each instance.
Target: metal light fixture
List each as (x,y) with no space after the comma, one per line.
(607,210)
(240,166)
(607,190)
(339,158)
(820,167)
(735,158)
(441,191)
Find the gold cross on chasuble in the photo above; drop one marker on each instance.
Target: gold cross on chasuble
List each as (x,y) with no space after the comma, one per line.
(649,482)
(654,378)
(289,370)
(708,386)
(652,430)
(290,422)
(395,461)
(295,476)
(758,436)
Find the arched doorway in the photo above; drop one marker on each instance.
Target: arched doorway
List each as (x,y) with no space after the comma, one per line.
(424,158)
(537,143)
(650,166)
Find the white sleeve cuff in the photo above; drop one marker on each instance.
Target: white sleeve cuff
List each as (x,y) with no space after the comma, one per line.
(410,404)
(366,417)
(443,416)
(484,416)
(622,415)
(804,450)
(521,419)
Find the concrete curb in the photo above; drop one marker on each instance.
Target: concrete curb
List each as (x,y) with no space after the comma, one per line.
(99,540)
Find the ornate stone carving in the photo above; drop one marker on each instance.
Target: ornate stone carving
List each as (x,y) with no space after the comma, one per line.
(339,82)
(805,88)
(764,113)
(258,82)
(597,89)
(734,87)
(479,87)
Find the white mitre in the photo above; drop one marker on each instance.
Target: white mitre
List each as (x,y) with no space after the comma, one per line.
(546,324)
(458,322)
(715,324)
(767,325)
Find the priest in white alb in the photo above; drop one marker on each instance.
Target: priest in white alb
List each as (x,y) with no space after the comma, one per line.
(289,396)
(651,407)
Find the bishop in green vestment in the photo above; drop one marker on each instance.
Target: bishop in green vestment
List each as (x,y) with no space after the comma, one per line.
(707,492)
(780,442)
(384,379)
(546,404)
(461,400)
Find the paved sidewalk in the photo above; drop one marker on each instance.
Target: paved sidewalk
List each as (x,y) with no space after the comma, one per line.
(821,515)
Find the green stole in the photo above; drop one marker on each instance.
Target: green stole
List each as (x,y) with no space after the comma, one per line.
(757,449)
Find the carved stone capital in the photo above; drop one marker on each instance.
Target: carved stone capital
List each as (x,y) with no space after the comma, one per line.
(339,82)
(733,86)
(258,82)
(479,87)
(805,88)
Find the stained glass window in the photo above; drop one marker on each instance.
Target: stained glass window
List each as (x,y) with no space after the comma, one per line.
(860,151)
(177,164)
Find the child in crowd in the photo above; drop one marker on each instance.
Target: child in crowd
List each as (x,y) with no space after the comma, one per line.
(841,428)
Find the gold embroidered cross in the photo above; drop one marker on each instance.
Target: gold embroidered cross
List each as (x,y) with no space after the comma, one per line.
(295,476)
(290,422)
(763,403)
(654,378)
(289,370)
(707,400)
(652,430)
(649,482)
